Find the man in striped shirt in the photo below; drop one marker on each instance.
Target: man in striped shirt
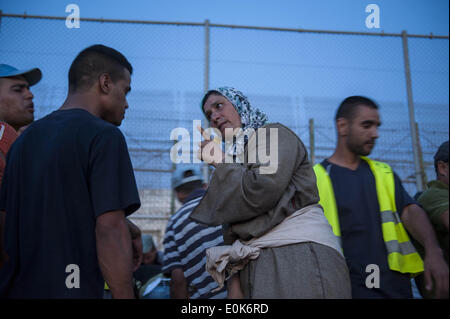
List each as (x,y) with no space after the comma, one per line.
(185,241)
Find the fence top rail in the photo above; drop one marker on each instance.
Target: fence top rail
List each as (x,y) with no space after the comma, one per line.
(229,26)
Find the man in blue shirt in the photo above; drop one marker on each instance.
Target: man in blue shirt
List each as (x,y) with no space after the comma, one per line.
(355,192)
(67,189)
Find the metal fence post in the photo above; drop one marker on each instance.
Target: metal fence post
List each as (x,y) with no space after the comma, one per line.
(412,126)
(206,88)
(172,190)
(311,141)
(206,80)
(422,165)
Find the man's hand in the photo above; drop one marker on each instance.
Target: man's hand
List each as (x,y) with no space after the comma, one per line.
(137,253)
(436,274)
(178,285)
(136,240)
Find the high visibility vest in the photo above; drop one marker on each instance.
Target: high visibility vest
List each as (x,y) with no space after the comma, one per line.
(402,256)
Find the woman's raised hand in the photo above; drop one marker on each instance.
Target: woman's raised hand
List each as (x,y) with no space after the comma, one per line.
(209,150)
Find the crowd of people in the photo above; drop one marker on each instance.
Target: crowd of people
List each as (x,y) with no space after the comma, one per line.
(343,228)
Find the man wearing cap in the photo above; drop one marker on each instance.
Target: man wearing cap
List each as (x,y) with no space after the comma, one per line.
(16,105)
(67,190)
(434,200)
(151,260)
(16,111)
(185,241)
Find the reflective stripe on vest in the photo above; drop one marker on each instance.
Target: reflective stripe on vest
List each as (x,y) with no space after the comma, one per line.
(402,256)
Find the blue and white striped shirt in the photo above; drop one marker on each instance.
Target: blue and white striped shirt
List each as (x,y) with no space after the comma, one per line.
(185,244)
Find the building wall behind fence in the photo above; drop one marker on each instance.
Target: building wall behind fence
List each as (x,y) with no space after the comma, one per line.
(292,76)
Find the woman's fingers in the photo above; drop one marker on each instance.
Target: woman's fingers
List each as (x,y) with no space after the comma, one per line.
(209,150)
(204,134)
(201,146)
(208,137)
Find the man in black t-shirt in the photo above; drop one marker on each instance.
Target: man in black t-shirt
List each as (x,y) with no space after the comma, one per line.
(67,189)
(363,223)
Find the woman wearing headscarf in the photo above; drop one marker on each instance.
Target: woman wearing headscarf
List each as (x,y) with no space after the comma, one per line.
(278,241)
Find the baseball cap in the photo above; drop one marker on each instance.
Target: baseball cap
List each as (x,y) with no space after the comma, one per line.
(33,76)
(442,153)
(178,176)
(147,243)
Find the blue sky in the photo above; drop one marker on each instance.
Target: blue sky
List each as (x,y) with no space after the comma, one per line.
(415,16)
(291,76)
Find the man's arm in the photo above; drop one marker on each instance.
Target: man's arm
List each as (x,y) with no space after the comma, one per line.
(417,223)
(178,285)
(114,250)
(444,219)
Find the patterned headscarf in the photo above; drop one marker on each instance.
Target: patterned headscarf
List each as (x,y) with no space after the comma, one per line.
(251,117)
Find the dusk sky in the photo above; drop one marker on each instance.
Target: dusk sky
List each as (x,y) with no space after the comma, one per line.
(292,76)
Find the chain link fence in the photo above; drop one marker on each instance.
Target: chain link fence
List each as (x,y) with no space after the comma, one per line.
(293,75)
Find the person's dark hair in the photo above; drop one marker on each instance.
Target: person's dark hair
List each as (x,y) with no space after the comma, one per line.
(441,155)
(207,95)
(189,187)
(348,107)
(93,61)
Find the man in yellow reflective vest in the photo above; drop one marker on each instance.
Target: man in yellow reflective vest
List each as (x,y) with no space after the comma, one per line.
(373,215)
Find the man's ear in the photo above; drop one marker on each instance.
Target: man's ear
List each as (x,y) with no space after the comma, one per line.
(342,126)
(104,83)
